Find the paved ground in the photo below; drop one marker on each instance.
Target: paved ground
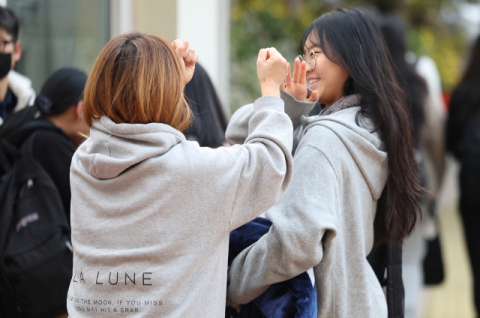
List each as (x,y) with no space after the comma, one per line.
(452,299)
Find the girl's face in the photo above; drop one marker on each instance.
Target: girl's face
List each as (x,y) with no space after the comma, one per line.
(327,78)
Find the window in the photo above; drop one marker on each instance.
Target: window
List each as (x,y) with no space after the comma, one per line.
(59,33)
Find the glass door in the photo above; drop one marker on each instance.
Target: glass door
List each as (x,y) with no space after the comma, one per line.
(59,33)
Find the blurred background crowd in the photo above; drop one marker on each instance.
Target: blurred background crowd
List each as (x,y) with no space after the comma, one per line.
(431,42)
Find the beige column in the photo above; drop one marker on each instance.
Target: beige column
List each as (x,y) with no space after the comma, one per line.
(121,17)
(205,23)
(158,17)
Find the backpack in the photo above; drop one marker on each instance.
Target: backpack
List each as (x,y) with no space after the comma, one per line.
(36,258)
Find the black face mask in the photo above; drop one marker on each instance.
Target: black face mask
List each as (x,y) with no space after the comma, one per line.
(5,64)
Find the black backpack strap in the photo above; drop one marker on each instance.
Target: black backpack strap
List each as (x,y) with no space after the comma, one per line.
(8,153)
(27,146)
(386,262)
(11,144)
(378,260)
(395,289)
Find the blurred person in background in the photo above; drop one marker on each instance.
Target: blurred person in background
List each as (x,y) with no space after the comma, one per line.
(49,133)
(209,122)
(427,132)
(463,140)
(59,105)
(16,90)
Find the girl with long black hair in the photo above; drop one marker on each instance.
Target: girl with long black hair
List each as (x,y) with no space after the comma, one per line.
(463,140)
(354,184)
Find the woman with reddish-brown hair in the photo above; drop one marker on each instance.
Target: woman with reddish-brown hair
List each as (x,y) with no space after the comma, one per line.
(151,212)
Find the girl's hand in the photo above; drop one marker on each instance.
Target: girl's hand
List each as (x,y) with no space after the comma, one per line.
(188,58)
(272,69)
(297,87)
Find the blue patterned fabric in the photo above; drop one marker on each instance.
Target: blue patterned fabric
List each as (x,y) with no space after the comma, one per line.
(294,298)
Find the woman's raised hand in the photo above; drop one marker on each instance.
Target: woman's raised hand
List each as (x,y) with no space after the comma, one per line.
(297,86)
(188,58)
(272,69)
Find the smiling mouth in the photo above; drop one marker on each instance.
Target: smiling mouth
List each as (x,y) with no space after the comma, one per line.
(313,81)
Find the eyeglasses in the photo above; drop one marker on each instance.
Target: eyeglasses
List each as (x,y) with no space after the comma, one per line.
(3,44)
(311,59)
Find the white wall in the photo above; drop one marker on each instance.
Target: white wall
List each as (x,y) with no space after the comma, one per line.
(156,17)
(206,25)
(121,17)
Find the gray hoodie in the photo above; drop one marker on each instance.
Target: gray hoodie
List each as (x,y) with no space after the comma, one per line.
(325,218)
(151,213)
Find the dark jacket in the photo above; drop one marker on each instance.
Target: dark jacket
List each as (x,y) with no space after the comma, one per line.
(294,298)
(54,151)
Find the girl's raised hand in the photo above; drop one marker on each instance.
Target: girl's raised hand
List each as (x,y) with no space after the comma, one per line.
(272,69)
(297,86)
(188,58)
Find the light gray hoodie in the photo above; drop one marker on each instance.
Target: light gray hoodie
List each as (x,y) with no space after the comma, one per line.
(325,218)
(151,213)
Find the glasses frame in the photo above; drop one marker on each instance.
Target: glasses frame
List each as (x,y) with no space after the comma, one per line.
(302,58)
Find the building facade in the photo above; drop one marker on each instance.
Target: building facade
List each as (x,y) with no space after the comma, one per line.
(58,33)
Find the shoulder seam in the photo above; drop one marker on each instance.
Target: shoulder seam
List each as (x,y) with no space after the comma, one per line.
(326,157)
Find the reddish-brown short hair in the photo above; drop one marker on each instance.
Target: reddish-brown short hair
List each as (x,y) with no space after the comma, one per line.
(137,78)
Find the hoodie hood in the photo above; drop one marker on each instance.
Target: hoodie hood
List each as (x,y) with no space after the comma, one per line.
(21,86)
(364,145)
(113,148)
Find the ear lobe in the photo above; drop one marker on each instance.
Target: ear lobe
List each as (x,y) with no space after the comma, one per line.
(17,52)
(79,110)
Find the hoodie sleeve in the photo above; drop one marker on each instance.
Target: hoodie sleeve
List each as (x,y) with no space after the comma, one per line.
(237,129)
(267,161)
(304,225)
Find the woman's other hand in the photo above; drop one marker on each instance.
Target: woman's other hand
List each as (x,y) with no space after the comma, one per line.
(272,69)
(188,58)
(297,86)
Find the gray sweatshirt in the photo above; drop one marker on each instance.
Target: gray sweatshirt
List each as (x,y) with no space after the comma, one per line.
(325,218)
(151,213)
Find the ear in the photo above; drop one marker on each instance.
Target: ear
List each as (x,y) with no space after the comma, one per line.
(17,51)
(79,110)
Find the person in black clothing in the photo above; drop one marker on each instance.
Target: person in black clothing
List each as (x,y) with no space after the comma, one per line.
(60,104)
(463,140)
(209,123)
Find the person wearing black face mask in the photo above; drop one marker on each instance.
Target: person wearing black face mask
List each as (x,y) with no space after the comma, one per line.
(16,91)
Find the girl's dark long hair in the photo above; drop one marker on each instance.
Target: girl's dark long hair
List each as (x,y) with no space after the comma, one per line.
(353,40)
(414,87)
(209,125)
(465,100)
